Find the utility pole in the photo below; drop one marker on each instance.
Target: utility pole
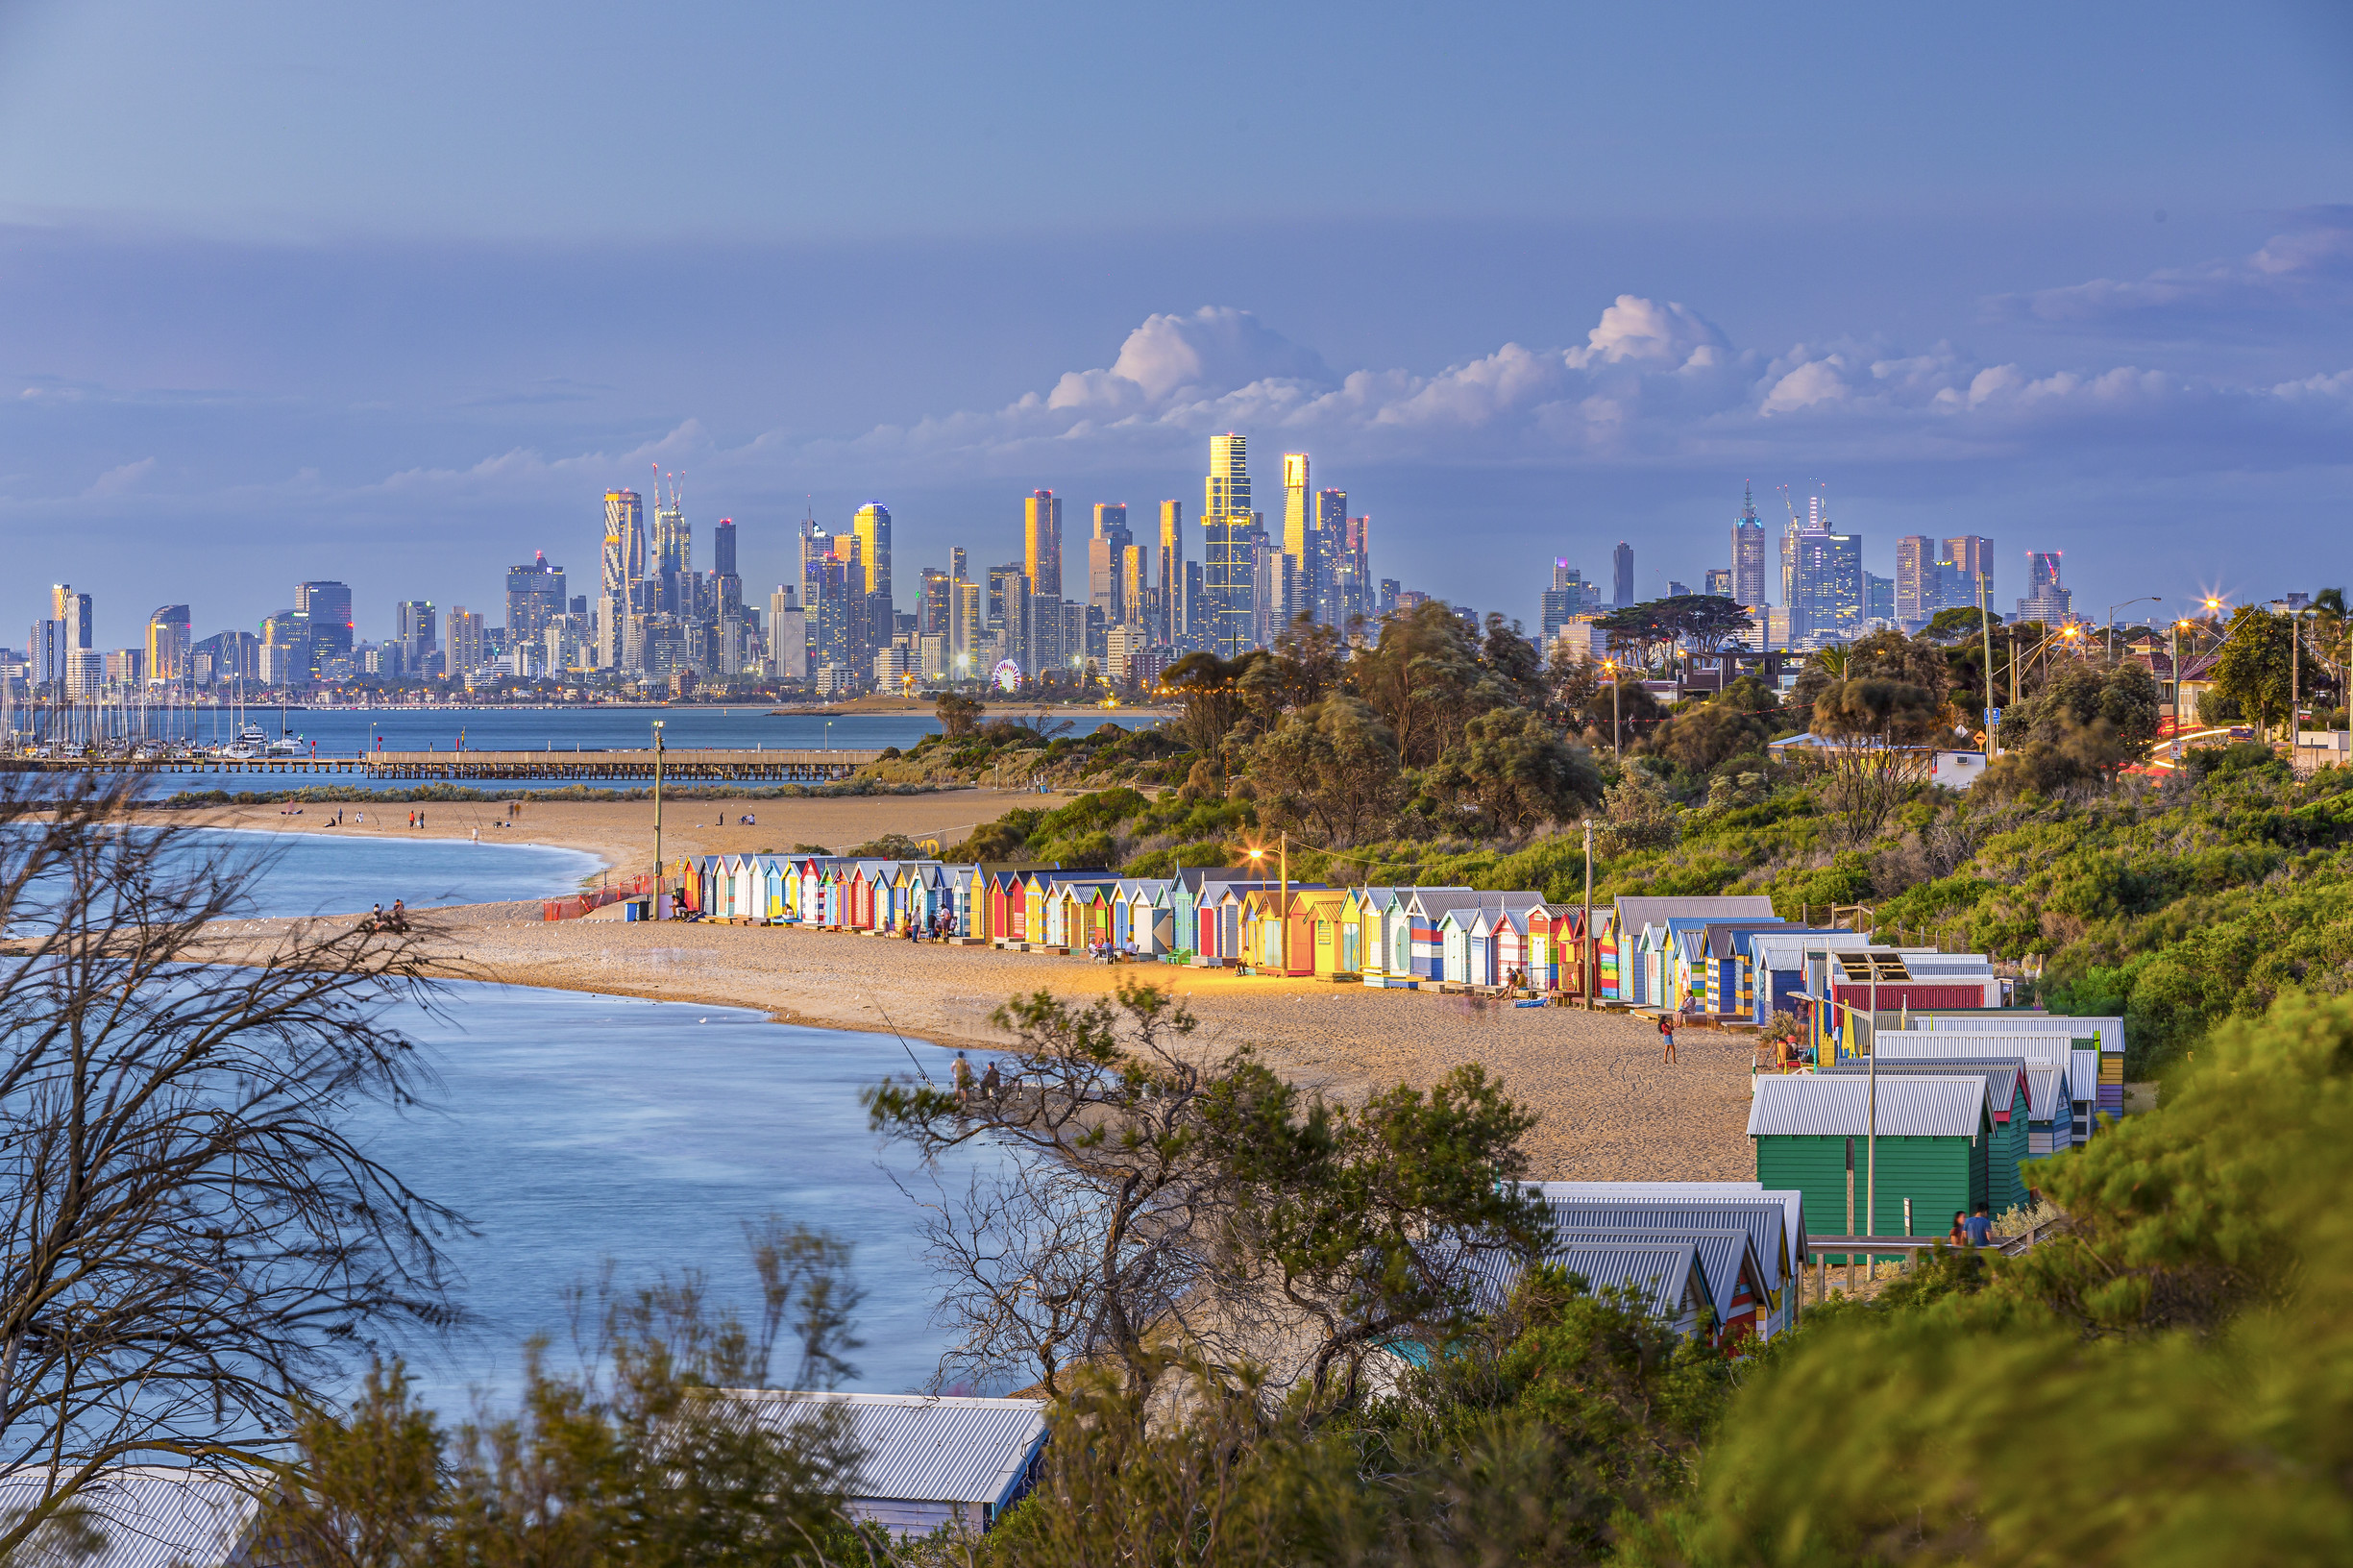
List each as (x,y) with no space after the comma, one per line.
(1283,861)
(1584,932)
(1612,667)
(657,819)
(1985,614)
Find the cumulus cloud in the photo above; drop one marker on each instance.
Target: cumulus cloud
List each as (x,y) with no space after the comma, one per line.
(1653,381)
(2307,266)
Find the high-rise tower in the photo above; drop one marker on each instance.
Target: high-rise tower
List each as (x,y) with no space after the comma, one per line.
(1747,554)
(1041,543)
(1229,571)
(1173,608)
(1106,557)
(1622,574)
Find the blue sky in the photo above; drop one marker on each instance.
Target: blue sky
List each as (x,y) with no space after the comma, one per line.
(393,294)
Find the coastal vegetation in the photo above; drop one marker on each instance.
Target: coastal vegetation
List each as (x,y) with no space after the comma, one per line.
(2174,900)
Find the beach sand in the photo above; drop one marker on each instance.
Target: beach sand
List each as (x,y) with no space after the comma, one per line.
(620,832)
(1611,1109)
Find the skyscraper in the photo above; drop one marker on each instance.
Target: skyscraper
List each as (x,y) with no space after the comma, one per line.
(723,548)
(1747,553)
(1916,582)
(787,637)
(1041,542)
(413,621)
(673,553)
(1972,555)
(1174,610)
(74,609)
(1229,571)
(534,596)
(2045,601)
(622,567)
(1328,566)
(326,609)
(873,527)
(168,637)
(466,653)
(1622,574)
(1105,551)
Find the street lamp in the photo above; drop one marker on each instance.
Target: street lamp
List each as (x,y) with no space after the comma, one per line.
(2146,599)
(2178,624)
(657,819)
(1611,665)
(1283,927)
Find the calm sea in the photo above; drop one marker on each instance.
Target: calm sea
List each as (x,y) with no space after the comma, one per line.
(349,732)
(575,1130)
(340,871)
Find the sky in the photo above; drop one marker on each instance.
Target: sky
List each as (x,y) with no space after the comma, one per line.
(392,295)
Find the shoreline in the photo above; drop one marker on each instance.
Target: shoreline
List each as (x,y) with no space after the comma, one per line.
(1607,1103)
(620,833)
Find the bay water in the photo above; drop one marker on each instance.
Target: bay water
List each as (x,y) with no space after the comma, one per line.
(576,1130)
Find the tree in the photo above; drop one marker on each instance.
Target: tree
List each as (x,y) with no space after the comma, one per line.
(1424,677)
(2088,722)
(1333,768)
(1156,1206)
(958,714)
(2253,670)
(1880,736)
(1517,770)
(192,1241)
(2201,1273)
(1589,698)
(1703,734)
(666,1446)
(1210,691)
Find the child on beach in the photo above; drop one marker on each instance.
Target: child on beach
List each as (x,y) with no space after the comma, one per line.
(1666,1032)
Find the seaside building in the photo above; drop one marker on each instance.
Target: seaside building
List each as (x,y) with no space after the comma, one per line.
(169,632)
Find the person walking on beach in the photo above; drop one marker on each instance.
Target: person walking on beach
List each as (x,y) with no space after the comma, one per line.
(1666,1034)
(478,835)
(963,1076)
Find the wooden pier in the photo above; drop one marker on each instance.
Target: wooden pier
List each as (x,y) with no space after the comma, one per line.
(682,765)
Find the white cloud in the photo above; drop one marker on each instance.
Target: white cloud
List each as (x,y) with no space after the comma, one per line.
(2306,267)
(116,481)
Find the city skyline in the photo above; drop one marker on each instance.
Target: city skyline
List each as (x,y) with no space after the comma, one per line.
(2111,317)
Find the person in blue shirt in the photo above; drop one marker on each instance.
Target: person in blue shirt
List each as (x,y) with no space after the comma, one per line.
(1979,1226)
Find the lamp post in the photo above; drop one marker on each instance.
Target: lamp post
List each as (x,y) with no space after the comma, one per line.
(657,819)
(1985,616)
(2146,599)
(1584,932)
(1282,924)
(2178,624)
(1611,665)
(2295,658)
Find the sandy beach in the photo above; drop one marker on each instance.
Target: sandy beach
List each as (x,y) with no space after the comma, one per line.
(620,832)
(1611,1109)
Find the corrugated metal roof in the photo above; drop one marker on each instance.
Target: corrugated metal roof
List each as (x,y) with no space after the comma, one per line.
(1770,952)
(2083,1075)
(2111,1031)
(1827,1105)
(157,1517)
(1761,1220)
(1723,1251)
(918,1447)
(1665,1274)
(2046,1092)
(1633,914)
(1791,1200)
(2003,1075)
(1928,1045)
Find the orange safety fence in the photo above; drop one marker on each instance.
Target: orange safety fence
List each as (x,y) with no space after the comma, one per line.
(572,908)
